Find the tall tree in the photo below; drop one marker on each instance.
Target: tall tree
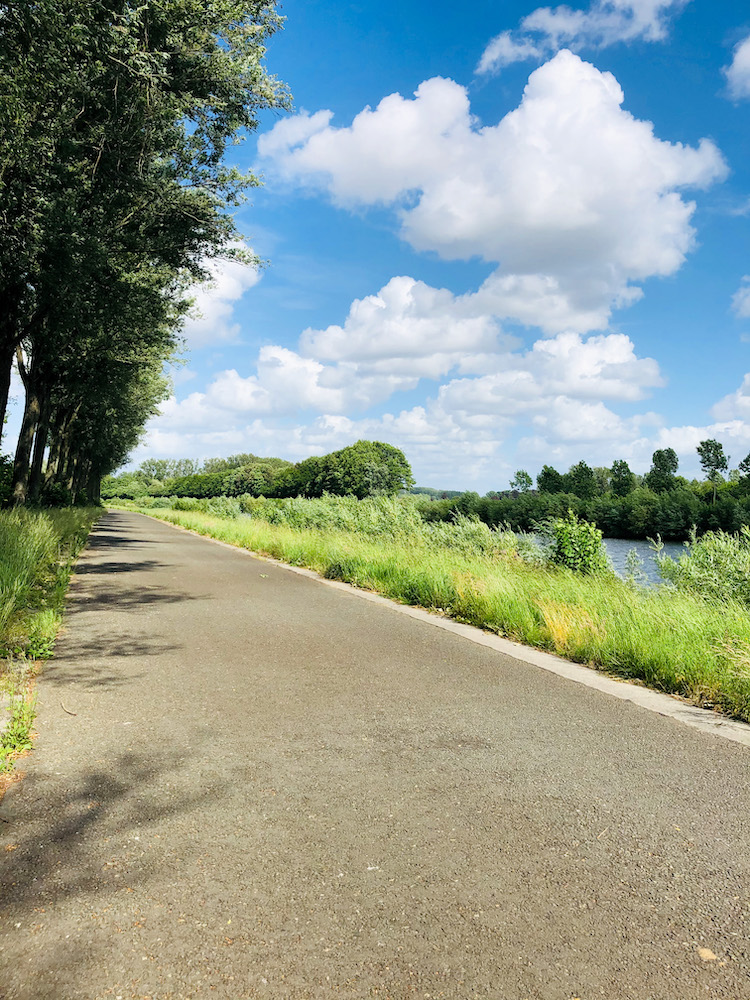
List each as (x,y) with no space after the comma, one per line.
(581,481)
(522,481)
(661,478)
(550,480)
(622,480)
(713,461)
(117,117)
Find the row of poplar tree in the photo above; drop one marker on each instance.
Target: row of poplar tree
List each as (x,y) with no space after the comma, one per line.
(114,196)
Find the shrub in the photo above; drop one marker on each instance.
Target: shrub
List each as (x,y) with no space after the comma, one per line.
(576,544)
(716,566)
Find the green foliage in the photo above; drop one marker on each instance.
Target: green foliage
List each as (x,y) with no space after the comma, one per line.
(114,196)
(549,480)
(662,476)
(581,481)
(16,737)
(364,469)
(36,553)
(522,481)
(664,638)
(713,461)
(577,545)
(716,566)
(622,480)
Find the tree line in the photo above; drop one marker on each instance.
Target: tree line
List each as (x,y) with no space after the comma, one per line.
(617,500)
(367,468)
(114,195)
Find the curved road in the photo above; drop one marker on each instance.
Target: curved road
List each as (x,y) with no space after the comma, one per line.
(247,784)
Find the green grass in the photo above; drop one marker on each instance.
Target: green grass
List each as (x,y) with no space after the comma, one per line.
(669,640)
(37,551)
(16,737)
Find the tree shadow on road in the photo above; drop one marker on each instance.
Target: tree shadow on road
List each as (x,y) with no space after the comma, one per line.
(75,847)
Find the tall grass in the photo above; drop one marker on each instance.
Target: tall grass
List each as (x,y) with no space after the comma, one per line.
(28,545)
(715,566)
(668,639)
(36,552)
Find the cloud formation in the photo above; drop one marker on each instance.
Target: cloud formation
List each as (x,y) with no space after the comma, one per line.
(606,22)
(738,72)
(741,298)
(574,198)
(211,317)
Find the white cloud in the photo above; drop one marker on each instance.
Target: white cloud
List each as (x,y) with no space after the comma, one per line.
(604,23)
(211,317)
(738,72)
(410,328)
(572,196)
(387,343)
(735,406)
(741,298)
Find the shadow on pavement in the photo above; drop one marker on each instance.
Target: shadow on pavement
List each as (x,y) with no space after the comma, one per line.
(87,569)
(74,851)
(117,598)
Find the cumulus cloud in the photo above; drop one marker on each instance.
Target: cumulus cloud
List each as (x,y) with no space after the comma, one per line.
(211,319)
(573,197)
(387,343)
(409,327)
(604,23)
(735,406)
(738,72)
(741,298)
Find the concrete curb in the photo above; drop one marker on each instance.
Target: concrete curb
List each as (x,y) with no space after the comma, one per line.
(667,705)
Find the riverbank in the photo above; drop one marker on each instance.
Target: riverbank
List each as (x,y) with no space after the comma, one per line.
(672,642)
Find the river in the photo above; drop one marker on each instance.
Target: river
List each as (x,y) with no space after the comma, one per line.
(618,548)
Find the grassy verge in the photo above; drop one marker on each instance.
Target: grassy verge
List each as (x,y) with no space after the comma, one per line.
(37,552)
(670,641)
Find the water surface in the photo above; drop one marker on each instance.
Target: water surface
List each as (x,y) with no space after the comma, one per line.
(618,548)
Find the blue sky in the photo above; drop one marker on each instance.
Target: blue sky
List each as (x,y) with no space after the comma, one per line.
(496,238)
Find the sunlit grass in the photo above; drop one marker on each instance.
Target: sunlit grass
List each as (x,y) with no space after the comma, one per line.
(37,549)
(671,641)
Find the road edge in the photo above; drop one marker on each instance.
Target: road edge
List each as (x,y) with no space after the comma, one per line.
(657,702)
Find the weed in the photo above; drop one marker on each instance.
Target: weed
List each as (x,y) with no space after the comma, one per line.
(17,734)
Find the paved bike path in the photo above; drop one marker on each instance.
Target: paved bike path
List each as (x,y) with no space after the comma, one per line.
(247,784)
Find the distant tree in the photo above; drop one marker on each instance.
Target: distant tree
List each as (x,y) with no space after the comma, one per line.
(603,477)
(363,469)
(744,466)
(522,481)
(713,461)
(550,480)
(581,481)
(661,476)
(622,480)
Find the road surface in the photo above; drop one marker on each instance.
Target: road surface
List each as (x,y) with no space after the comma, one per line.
(248,784)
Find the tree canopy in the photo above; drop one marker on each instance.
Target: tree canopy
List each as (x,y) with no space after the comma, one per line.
(116,117)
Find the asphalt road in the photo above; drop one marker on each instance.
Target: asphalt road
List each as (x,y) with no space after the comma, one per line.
(272,788)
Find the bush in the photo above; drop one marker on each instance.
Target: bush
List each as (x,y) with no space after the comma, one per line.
(716,566)
(55,495)
(576,544)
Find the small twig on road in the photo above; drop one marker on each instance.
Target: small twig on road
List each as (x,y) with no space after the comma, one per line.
(67,710)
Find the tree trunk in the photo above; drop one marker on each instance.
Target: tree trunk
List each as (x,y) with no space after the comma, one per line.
(94,487)
(80,477)
(29,424)
(55,445)
(7,353)
(40,446)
